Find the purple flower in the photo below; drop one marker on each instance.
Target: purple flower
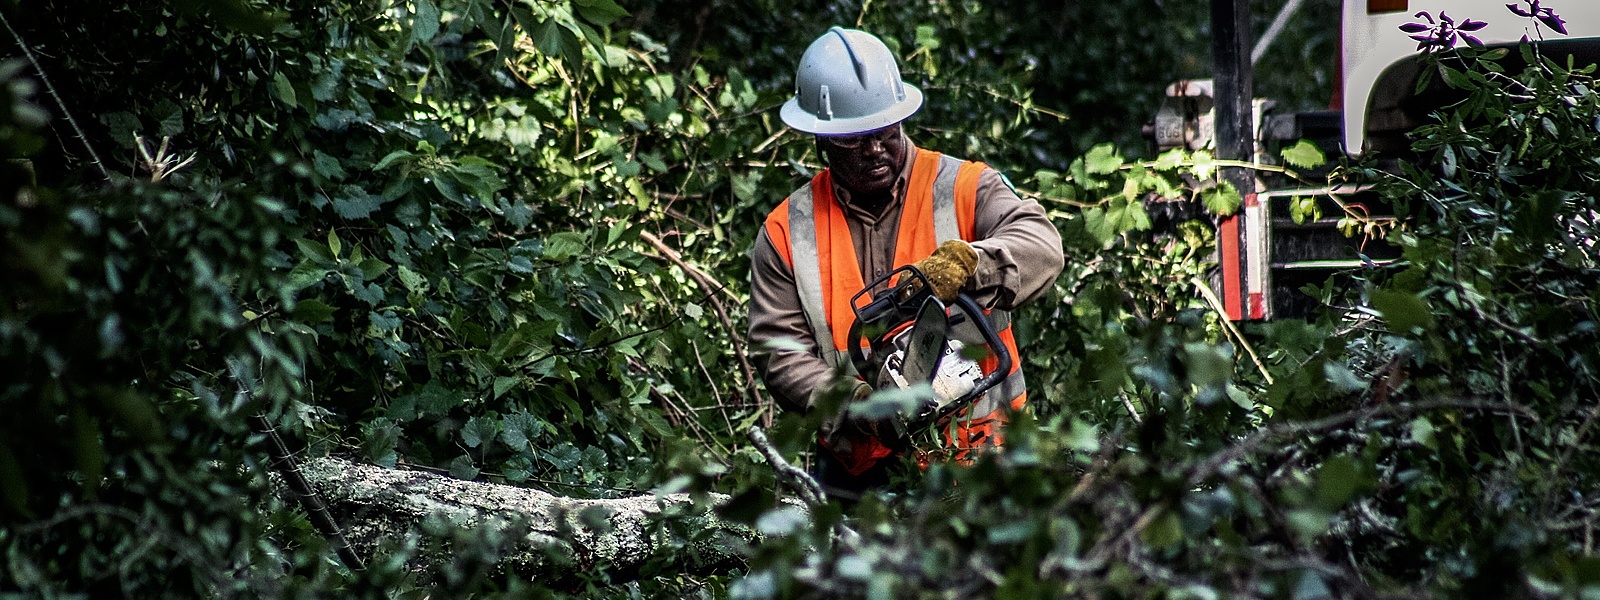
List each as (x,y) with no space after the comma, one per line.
(1442,33)
(1544,14)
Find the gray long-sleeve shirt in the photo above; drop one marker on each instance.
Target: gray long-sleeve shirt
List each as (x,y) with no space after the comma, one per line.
(1019,256)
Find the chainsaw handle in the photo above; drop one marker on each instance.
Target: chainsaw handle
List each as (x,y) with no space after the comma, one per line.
(998,347)
(895,305)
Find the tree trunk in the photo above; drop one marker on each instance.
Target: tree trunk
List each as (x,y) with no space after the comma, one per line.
(375,505)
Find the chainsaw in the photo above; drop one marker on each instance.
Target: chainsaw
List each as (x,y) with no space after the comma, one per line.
(906,336)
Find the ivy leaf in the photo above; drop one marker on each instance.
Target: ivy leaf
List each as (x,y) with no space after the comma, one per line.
(1304,155)
(1222,199)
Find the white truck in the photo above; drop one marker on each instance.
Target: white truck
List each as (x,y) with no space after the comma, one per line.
(1265,256)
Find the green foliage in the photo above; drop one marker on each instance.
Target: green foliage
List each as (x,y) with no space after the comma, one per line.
(505,241)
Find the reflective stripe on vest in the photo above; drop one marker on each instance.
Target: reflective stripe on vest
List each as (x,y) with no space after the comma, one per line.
(808,273)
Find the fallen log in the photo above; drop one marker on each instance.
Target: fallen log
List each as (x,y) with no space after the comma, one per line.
(550,534)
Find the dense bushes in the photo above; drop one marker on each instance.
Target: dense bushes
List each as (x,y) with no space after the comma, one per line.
(505,241)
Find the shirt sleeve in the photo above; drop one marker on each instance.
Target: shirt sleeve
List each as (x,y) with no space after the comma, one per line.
(1019,249)
(793,376)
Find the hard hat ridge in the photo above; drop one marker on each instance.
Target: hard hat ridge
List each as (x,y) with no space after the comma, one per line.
(848,83)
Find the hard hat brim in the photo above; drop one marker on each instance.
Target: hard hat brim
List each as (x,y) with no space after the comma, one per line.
(799,119)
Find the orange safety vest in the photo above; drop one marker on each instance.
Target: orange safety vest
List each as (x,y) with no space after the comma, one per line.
(809,231)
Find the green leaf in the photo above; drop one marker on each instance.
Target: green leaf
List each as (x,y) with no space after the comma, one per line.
(312,311)
(371,268)
(1202,165)
(282,90)
(547,37)
(425,24)
(1304,208)
(1422,432)
(392,158)
(746,185)
(380,438)
(1342,379)
(357,207)
(314,252)
(1456,79)
(1304,155)
(1208,365)
(518,428)
(463,468)
(563,457)
(1221,199)
(1098,225)
(1169,160)
(504,384)
(1102,160)
(478,430)
(564,245)
(327,166)
(652,420)
(518,469)
(927,37)
(1164,532)
(1402,311)
(1339,480)
(599,12)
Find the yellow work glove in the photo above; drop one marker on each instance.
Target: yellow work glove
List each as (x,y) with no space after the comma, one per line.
(948,268)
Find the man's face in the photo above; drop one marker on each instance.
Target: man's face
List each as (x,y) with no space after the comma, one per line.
(866,163)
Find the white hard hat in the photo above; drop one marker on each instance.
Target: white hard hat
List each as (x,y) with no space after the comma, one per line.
(848,83)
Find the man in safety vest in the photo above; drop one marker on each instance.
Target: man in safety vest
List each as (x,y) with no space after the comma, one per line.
(883,203)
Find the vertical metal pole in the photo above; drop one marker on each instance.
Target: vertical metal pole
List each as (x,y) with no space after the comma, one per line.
(1235,135)
(1230,55)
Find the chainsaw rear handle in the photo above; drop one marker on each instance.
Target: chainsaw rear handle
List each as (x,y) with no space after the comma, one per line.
(897,307)
(998,347)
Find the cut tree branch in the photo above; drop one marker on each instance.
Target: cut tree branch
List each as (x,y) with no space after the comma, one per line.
(615,535)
